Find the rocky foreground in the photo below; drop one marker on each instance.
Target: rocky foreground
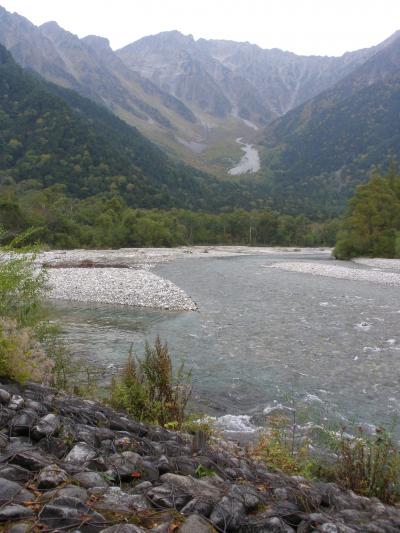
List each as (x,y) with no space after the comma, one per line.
(68,464)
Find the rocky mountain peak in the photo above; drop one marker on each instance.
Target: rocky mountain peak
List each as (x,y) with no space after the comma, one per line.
(96,42)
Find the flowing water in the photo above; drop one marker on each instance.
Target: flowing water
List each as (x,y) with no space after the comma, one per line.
(249,162)
(260,334)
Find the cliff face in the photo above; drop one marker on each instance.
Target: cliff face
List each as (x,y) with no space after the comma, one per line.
(71,464)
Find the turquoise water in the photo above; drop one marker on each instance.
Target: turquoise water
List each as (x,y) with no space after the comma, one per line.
(260,335)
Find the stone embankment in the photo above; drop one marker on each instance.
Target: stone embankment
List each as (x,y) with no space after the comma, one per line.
(68,464)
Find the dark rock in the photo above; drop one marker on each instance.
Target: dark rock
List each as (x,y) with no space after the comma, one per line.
(149,472)
(228,514)
(198,505)
(67,512)
(11,492)
(23,422)
(330,527)
(16,402)
(5,396)
(80,454)
(163,465)
(141,487)
(91,479)
(14,512)
(269,525)
(51,476)
(85,433)
(54,446)
(69,491)
(210,488)
(46,427)
(125,464)
(195,524)
(36,406)
(185,466)
(124,528)
(32,460)
(15,473)
(98,464)
(141,502)
(165,496)
(246,494)
(116,500)
(102,434)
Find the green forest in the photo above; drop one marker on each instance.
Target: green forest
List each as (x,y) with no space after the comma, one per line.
(107,221)
(371,227)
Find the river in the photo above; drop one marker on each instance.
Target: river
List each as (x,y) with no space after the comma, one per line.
(260,335)
(250,161)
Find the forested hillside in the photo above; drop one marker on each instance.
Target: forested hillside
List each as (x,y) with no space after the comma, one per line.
(321,150)
(50,135)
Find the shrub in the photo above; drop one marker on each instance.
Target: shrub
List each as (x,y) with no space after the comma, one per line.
(22,287)
(279,448)
(369,465)
(148,389)
(21,356)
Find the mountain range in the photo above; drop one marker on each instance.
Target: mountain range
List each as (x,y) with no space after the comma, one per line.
(319,123)
(52,136)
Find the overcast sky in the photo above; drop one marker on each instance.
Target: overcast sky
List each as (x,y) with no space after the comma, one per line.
(323,27)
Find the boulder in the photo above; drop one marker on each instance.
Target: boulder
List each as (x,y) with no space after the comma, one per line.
(51,476)
(80,454)
(16,402)
(123,528)
(124,465)
(5,396)
(32,460)
(70,513)
(15,473)
(228,514)
(23,422)
(11,492)
(14,512)
(195,524)
(89,480)
(46,426)
(116,500)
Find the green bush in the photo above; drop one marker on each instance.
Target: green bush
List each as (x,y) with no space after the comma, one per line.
(22,357)
(22,286)
(148,389)
(369,465)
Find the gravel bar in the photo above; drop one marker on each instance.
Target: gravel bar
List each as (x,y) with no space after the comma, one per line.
(340,272)
(135,287)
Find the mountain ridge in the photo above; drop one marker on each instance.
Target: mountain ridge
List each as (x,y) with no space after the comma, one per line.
(207,94)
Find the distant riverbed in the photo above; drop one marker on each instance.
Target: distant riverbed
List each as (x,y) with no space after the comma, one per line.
(250,161)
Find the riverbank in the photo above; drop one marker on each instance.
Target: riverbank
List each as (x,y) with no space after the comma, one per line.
(374,271)
(76,465)
(124,277)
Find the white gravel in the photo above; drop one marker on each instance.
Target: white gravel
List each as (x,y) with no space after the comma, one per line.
(124,286)
(390,264)
(134,285)
(340,272)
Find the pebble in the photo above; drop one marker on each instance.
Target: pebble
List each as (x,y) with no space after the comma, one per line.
(340,272)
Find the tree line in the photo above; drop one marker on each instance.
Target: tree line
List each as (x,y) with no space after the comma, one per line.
(106,221)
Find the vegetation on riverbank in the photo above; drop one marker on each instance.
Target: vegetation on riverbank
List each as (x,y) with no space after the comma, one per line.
(107,222)
(371,226)
(368,464)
